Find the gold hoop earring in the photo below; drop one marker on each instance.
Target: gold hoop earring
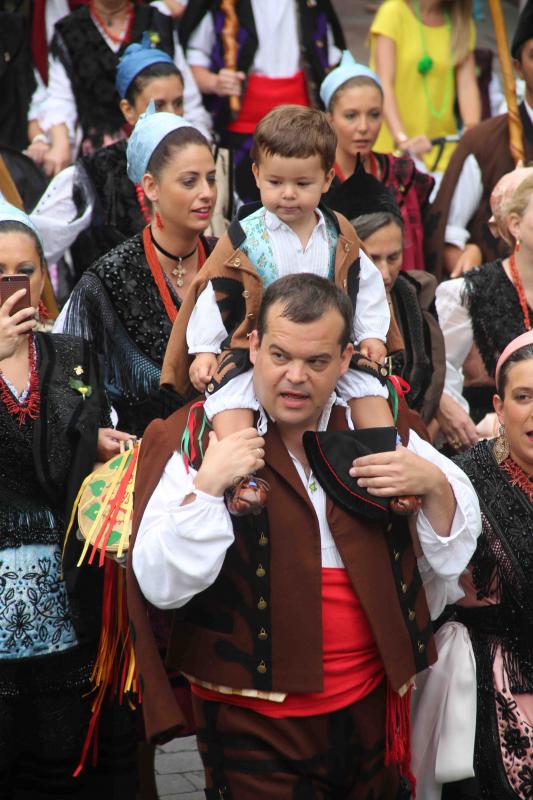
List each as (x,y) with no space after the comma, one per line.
(501,446)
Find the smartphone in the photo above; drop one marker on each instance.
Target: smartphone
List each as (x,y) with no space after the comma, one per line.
(9,284)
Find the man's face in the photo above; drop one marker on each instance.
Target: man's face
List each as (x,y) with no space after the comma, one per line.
(297,365)
(524,65)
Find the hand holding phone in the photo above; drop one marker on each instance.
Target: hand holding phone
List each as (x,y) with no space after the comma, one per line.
(17,317)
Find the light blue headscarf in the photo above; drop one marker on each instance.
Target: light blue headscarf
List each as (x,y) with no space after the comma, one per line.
(137,57)
(9,213)
(348,68)
(150,130)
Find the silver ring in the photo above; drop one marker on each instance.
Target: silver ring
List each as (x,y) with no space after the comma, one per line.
(259,452)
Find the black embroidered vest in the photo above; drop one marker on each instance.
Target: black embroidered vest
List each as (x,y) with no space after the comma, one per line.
(494,309)
(116,214)
(91,65)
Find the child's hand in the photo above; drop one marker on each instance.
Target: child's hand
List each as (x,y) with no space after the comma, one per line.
(202,370)
(374,349)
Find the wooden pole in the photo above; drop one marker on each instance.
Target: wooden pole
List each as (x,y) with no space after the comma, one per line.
(230,44)
(509,87)
(11,194)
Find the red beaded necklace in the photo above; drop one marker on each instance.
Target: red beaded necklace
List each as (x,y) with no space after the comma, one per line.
(519,287)
(126,33)
(31,405)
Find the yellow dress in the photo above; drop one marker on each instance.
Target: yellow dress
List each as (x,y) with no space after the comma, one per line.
(396,20)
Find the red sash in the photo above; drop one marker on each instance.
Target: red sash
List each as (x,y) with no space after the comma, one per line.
(263,94)
(352,664)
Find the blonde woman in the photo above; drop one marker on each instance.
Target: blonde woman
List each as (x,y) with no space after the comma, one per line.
(422,51)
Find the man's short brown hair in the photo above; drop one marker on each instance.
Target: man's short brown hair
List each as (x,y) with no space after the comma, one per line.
(295,132)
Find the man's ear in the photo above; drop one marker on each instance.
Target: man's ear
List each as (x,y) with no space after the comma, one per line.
(517,64)
(346,357)
(128,112)
(255,343)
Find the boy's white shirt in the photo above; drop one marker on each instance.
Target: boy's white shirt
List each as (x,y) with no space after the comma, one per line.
(206,331)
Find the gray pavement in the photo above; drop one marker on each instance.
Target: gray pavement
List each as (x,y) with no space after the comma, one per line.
(179,774)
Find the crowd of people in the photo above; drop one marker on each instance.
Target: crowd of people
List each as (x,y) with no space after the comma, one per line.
(297,288)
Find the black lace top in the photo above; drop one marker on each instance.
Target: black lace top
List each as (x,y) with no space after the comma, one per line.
(118,308)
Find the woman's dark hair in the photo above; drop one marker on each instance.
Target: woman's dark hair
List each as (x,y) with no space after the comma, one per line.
(160,70)
(14,226)
(522,354)
(175,140)
(367,224)
(305,298)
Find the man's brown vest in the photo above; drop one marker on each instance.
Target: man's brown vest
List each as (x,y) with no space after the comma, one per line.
(259,625)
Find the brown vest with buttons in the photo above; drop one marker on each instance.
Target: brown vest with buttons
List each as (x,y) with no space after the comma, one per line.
(239,291)
(259,626)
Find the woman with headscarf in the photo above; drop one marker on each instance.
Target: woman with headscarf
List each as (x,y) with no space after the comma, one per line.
(473,715)
(125,303)
(52,407)
(353,97)
(481,312)
(372,209)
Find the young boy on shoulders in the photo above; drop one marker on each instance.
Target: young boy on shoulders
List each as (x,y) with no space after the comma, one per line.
(293,153)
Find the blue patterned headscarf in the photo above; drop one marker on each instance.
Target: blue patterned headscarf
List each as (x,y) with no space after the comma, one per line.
(150,130)
(348,68)
(137,57)
(9,213)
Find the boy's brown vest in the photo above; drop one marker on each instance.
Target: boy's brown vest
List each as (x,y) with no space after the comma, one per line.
(259,625)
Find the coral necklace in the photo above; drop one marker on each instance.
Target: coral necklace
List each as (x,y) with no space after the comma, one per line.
(31,405)
(519,287)
(126,32)
(158,275)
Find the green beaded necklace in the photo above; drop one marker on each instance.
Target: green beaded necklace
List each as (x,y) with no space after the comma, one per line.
(425,64)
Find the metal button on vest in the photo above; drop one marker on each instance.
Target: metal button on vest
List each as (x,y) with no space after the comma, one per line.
(346,248)
(384,371)
(246,294)
(403,587)
(210,387)
(236,262)
(396,555)
(263,540)
(262,604)
(260,571)
(250,316)
(261,667)
(262,634)
(411,615)
(421,647)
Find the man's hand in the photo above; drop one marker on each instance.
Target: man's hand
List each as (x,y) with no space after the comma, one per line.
(109,443)
(455,423)
(228,459)
(202,370)
(398,472)
(228,83)
(402,472)
(374,349)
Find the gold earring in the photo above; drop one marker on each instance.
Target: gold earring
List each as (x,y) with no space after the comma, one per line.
(501,446)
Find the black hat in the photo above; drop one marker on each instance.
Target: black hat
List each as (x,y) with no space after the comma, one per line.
(361,193)
(524,29)
(330,455)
